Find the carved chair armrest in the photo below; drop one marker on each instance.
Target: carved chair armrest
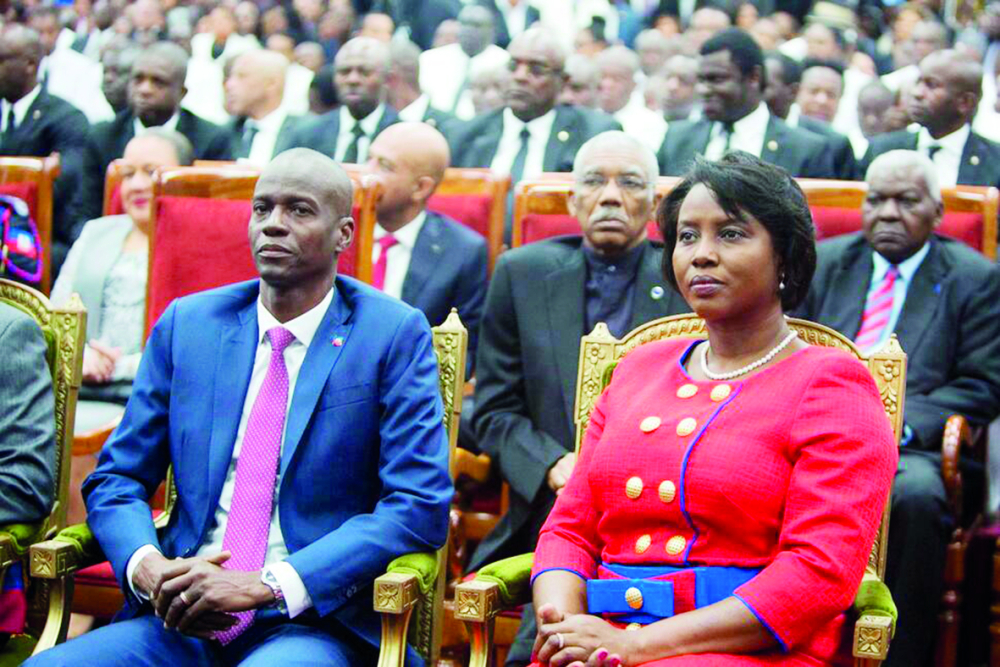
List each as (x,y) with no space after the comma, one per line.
(476,467)
(92,441)
(407,581)
(957,436)
(876,619)
(15,538)
(72,549)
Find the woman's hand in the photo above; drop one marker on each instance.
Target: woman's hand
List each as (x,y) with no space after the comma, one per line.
(580,639)
(99,362)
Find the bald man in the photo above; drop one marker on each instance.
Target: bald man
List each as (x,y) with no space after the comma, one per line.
(618,96)
(360,71)
(326,391)
(944,102)
(403,87)
(254,89)
(542,298)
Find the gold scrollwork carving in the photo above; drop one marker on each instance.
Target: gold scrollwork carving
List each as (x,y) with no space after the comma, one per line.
(469,604)
(42,563)
(389,597)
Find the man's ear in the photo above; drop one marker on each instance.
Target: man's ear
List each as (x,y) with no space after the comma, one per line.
(424,189)
(571,202)
(346,234)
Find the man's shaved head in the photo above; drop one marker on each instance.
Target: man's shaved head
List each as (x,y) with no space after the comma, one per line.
(169,53)
(420,146)
(331,181)
(20,53)
(25,40)
(543,42)
(255,84)
(409,159)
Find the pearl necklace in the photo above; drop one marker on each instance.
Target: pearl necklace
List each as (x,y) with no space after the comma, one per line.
(749,367)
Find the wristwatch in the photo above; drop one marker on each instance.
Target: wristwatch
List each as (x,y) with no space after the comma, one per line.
(268,579)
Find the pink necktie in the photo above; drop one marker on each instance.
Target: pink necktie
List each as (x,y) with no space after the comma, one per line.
(878,308)
(256,472)
(378,271)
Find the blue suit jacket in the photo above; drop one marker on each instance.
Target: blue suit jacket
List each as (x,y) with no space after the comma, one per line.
(448,268)
(364,465)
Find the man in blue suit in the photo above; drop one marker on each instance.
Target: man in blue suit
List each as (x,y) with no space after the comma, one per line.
(424,258)
(270,560)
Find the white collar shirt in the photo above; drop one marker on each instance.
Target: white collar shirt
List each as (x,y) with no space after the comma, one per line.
(642,123)
(20,108)
(415,110)
(907,269)
(515,16)
(540,130)
(748,134)
(268,128)
(948,159)
(369,124)
(171,124)
(397,261)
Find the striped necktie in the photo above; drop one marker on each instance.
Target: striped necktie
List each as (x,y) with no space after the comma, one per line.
(878,309)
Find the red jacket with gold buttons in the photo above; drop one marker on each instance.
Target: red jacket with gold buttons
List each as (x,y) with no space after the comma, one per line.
(787,470)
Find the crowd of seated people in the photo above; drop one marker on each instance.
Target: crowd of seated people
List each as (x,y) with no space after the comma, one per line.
(607,97)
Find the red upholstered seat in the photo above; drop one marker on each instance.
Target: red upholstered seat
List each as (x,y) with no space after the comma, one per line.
(477,198)
(30,179)
(473,211)
(26,191)
(831,222)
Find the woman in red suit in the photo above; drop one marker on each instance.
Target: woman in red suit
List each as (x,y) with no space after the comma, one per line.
(728,492)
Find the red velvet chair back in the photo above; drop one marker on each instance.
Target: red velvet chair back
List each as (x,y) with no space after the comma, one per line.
(477,198)
(30,179)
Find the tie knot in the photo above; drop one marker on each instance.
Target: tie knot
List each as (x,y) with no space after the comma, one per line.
(525,133)
(358,131)
(893,272)
(932,150)
(280,338)
(387,242)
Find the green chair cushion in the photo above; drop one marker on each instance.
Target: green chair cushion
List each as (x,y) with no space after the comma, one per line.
(88,551)
(423,565)
(512,576)
(17,649)
(874,599)
(23,535)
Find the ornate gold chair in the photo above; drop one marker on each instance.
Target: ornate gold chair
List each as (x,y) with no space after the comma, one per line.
(506,583)
(65,333)
(416,582)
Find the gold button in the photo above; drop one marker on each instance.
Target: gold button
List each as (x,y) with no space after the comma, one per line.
(687,391)
(632,627)
(649,424)
(633,487)
(633,597)
(676,544)
(721,392)
(686,426)
(668,491)
(643,543)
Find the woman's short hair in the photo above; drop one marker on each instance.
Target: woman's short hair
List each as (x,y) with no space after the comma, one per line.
(745,185)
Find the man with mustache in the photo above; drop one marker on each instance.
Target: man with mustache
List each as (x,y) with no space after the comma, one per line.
(542,299)
(944,102)
(939,298)
(731,84)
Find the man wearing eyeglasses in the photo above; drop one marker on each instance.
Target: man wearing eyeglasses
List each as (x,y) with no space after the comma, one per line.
(542,298)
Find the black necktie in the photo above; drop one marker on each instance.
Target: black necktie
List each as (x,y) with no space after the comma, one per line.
(517,168)
(246,141)
(932,150)
(351,156)
(727,131)
(11,124)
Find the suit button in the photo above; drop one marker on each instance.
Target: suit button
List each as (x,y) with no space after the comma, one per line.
(649,424)
(642,544)
(721,392)
(633,487)
(687,391)
(676,544)
(667,491)
(686,426)
(633,598)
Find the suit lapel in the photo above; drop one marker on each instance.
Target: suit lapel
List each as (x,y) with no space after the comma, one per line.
(484,146)
(777,148)
(650,300)
(428,251)
(683,147)
(320,359)
(564,291)
(562,138)
(971,170)
(848,299)
(922,299)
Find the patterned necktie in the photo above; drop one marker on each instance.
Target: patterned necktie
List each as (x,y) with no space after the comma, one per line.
(378,271)
(256,474)
(878,308)
(353,150)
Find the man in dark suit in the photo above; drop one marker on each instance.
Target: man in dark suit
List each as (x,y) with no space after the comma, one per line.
(155,93)
(424,258)
(36,123)
(359,74)
(420,17)
(27,421)
(512,17)
(403,88)
(254,89)
(542,298)
(940,299)
(944,101)
(783,78)
(326,392)
(731,84)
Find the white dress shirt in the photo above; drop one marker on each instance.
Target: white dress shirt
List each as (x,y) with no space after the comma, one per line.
(415,110)
(345,137)
(20,108)
(268,127)
(907,269)
(948,160)
(397,261)
(748,134)
(642,122)
(444,70)
(77,79)
(510,143)
(303,328)
(171,124)
(515,16)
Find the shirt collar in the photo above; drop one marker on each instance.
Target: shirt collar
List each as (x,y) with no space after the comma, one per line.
(369,123)
(272,122)
(302,327)
(538,127)
(407,234)
(625,265)
(906,268)
(754,123)
(794,112)
(415,110)
(954,143)
(22,105)
(171,124)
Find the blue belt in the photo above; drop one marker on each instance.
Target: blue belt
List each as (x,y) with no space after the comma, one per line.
(655,599)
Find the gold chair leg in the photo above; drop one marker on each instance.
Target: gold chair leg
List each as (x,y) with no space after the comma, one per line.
(59,593)
(477,604)
(481,653)
(395,597)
